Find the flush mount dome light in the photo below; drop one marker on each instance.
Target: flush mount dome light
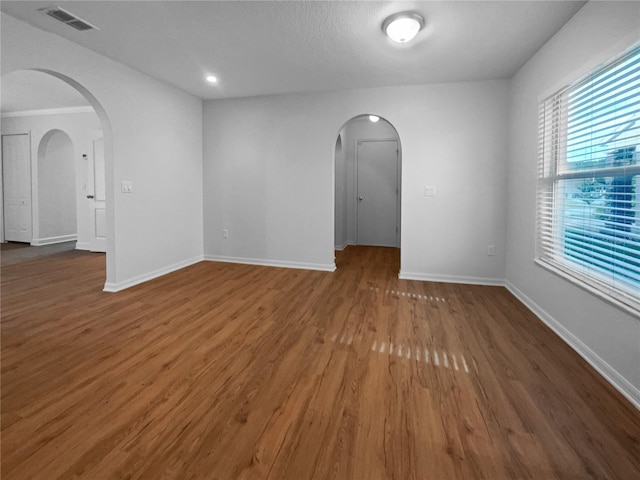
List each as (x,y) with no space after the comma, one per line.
(402,27)
(212,79)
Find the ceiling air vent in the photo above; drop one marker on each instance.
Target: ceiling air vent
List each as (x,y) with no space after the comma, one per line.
(68,18)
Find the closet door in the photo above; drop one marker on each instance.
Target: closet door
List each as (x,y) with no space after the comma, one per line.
(16,183)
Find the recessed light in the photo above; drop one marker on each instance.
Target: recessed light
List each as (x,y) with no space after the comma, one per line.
(212,79)
(403,27)
(373,118)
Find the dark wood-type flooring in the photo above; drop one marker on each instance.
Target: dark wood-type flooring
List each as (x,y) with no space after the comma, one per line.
(224,371)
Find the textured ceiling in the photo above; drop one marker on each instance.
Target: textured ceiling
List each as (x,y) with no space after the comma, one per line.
(263,47)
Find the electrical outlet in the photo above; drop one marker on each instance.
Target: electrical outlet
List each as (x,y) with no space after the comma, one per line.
(225,233)
(429,191)
(491,250)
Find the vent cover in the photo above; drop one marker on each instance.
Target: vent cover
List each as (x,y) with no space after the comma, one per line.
(68,18)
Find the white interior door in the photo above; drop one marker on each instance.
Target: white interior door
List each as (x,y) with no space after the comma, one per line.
(96,196)
(16,178)
(377,192)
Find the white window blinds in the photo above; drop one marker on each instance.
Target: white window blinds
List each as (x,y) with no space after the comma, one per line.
(589,180)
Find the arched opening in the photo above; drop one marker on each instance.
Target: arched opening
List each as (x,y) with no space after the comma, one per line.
(57,212)
(367,183)
(61,117)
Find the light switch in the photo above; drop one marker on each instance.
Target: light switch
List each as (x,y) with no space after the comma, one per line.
(126,186)
(429,191)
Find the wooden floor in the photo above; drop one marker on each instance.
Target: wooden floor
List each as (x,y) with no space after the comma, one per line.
(223,371)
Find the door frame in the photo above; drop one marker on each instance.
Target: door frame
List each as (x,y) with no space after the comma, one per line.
(96,244)
(398,181)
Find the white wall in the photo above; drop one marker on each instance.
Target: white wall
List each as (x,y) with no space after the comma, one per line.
(605,335)
(80,127)
(269,176)
(359,128)
(153,138)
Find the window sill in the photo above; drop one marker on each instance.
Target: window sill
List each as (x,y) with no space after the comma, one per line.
(632,309)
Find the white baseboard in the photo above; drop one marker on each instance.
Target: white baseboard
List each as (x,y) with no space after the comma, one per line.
(38,242)
(272,263)
(119,286)
(610,374)
(83,246)
(450,279)
(343,246)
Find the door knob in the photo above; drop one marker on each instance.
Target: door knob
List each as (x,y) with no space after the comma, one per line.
(89,196)
(360,198)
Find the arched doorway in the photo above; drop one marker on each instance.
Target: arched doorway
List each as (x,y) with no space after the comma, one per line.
(62,97)
(367,183)
(57,212)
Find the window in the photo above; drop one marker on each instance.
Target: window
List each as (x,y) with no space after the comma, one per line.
(589,181)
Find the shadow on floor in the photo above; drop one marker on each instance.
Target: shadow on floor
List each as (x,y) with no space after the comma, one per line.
(14,252)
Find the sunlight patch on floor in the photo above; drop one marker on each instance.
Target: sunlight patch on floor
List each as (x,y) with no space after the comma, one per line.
(417,296)
(436,357)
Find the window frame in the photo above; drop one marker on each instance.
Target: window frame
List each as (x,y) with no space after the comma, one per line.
(553,182)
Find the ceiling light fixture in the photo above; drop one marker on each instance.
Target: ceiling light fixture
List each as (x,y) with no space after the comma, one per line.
(373,118)
(403,27)
(212,79)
